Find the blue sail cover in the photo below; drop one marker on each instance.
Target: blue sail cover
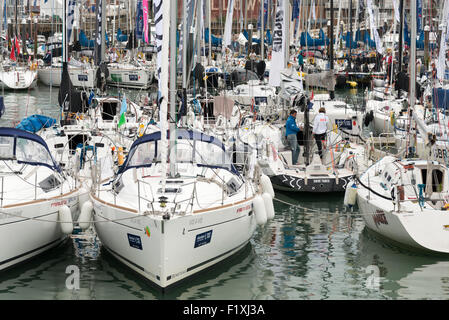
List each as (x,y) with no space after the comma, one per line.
(348,42)
(440,98)
(120,36)
(86,43)
(307,40)
(215,41)
(35,123)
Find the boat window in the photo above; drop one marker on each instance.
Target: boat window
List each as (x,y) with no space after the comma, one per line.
(6,147)
(32,152)
(144,154)
(211,155)
(184,151)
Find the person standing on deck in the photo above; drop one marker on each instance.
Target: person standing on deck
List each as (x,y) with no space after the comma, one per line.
(291,134)
(320,127)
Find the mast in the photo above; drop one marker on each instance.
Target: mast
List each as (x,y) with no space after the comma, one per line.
(401,36)
(331,47)
(173,24)
(262,15)
(185,36)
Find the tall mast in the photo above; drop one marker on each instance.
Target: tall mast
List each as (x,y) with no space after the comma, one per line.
(401,39)
(331,47)
(172,67)
(262,15)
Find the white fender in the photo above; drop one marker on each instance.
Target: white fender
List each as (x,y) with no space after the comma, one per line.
(350,195)
(267,185)
(65,218)
(85,215)
(259,210)
(269,207)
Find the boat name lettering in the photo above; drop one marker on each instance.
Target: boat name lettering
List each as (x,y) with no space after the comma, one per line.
(178,274)
(134,241)
(196,221)
(203,238)
(248,207)
(59,203)
(321,181)
(379,218)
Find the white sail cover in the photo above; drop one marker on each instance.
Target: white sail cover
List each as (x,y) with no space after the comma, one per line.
(227,36)
(444,37)
(279,43)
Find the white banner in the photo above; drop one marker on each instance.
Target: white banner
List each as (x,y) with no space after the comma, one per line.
(373,27)
(157,7)
(228,26)
(279,43)
(441,67)
(396,10)
(313,11)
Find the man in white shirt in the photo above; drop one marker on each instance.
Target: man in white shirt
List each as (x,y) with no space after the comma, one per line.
(320,127)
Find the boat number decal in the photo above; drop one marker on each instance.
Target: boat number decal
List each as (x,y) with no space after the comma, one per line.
(244,208)
(134,241)
(203,238)
(59,203)
(133,77)
(379,218)
(82,77)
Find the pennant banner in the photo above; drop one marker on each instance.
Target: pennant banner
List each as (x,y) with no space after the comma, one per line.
(99,32)
(373,27)
(279,42)
(441,67)
(145,20)
(70,18)
(139,20)
(158,30)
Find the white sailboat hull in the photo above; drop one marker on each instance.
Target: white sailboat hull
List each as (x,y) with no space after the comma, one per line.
(130,78)
(176,248)
(84,78)
(421,230)
(17,79)
(50,76)
(22,238)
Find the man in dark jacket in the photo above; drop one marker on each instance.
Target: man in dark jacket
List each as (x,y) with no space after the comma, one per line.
(291,132)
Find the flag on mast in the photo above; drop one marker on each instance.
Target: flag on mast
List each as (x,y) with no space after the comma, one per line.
(123,109)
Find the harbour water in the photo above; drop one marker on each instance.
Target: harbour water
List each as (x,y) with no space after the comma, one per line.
(314,248)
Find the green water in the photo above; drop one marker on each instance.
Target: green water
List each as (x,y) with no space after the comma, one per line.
(312,249)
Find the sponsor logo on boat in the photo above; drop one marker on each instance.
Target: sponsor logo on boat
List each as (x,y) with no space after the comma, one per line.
(134,241)
(59,203)
(379,218)
(203,238)
(245,208)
